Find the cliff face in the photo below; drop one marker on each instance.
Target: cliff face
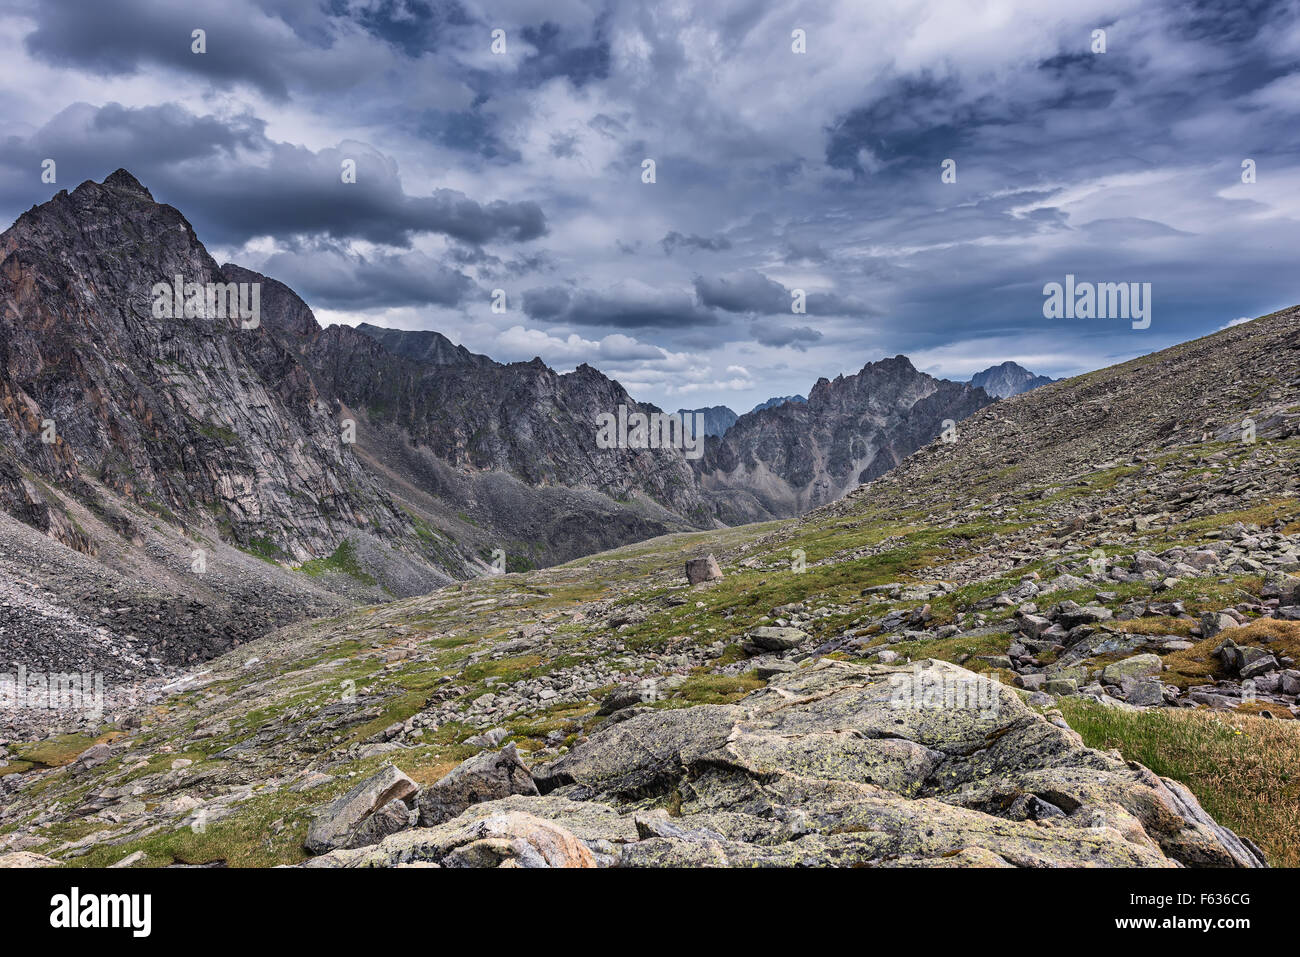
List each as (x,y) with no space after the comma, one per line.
(523,419)
(502,455)
(787,459)
(194,419)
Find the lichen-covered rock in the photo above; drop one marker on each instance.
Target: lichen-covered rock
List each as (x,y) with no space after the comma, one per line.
(488,775)
(338,823)
(835,765)
(862,764)
(1138,666)
(504,838)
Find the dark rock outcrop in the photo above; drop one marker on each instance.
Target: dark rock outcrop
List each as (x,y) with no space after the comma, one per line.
(788,459)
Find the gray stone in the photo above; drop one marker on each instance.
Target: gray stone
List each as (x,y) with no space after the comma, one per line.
(1290,682)
(1032,682)
(484,777)
(1139,666)
(774,666)
(392,817)
(1143,693)
(700,570)
(1213,622)
(772,638)
(334,824)
(93,756)
(1256,661)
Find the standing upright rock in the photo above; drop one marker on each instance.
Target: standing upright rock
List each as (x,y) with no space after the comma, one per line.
(703,570)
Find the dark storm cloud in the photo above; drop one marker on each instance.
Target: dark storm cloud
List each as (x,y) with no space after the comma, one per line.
(82,138)
(129,36)
(557,55)
(469,131)
(674,239)
(489,266)
(911,119)
(619,308)
(771,333)
(329,275)
(798,249)
(752,292)
(413,26)
(748,291)
(266,188)
(774,171)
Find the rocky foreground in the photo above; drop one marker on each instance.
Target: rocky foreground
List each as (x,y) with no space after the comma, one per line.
(833,765)
(890,680)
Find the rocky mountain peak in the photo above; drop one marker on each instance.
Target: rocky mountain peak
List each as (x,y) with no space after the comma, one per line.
(782,461)
(122,181)
(1007,379)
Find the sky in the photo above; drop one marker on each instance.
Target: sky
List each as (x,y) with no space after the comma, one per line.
(503,146)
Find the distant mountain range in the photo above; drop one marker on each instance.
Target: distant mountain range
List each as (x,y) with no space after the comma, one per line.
(717,419)
(1008,379)
(1000,382)
(778,400)
(788,458)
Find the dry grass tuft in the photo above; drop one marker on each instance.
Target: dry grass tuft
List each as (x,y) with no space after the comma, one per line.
(1244,770)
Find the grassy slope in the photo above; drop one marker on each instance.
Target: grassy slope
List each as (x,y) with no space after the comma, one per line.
(1244,770)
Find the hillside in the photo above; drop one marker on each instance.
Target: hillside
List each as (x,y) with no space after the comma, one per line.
(898,678)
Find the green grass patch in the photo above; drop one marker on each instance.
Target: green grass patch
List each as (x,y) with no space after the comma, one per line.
(343,560)
(1244,770)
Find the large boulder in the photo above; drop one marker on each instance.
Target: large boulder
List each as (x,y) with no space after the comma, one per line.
(700,570)
(488,775)
(836,764)
(772,638)
(392,817)
(845,764)
(1138,666)
(336,824)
